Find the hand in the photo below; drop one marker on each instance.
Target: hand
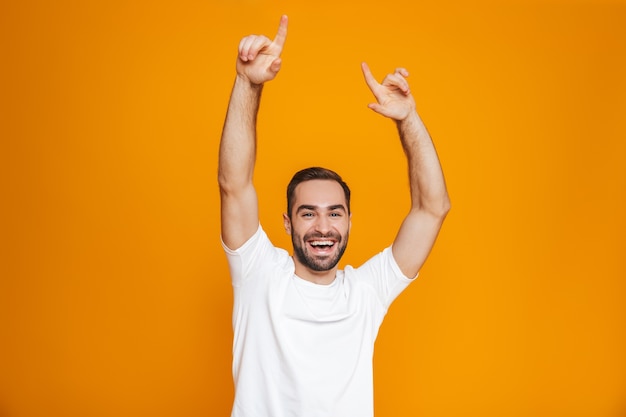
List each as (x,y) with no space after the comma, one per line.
(393,96)
(259,57)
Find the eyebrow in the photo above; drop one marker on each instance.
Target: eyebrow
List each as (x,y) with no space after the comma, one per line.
(316,208)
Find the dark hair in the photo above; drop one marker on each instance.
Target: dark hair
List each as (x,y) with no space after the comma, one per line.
(314,173)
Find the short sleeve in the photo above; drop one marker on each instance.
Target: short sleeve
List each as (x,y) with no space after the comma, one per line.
(255,254)
(240,261)
(384,275)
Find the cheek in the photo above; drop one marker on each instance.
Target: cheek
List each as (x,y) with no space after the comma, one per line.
(294,230)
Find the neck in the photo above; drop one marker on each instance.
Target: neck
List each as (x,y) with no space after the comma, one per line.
(316,277)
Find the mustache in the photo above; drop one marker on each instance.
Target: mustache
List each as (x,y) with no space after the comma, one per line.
(317,235)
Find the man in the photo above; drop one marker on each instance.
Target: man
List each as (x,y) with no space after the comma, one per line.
(304,330)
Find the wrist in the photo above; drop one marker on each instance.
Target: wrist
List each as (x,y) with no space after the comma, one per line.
(411,127)
(412,120)
(245,82)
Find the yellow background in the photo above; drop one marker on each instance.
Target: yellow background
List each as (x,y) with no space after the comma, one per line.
(114,293)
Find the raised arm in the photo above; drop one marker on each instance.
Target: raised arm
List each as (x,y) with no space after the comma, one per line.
(429,197)
(258,61)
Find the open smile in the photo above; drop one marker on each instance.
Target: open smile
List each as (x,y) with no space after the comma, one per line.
(322,245)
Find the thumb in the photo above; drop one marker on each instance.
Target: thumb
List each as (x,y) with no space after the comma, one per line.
(275,65)
(376,107)
(380,110)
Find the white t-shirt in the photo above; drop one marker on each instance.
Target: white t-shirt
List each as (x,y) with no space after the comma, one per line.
(301,349)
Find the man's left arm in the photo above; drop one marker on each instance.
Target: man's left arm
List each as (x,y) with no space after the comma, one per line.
(429,197)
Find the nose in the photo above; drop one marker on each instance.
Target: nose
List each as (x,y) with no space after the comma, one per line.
(322,225)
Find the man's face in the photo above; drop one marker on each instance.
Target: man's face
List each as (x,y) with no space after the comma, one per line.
(319,224)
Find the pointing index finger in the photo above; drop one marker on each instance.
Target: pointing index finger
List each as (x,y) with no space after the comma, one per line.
(369,78)
(281,35)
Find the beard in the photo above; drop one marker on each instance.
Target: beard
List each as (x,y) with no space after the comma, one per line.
(317,263)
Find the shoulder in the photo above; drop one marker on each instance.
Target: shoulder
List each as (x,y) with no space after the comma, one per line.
(255,255)
(380,274)
(258,243)
(382,263)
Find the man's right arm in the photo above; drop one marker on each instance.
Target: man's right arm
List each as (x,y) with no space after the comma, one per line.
(258,61)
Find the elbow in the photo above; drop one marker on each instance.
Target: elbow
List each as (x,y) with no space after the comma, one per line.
(441,211)
(228,188)
(232,180)
(222,182)
(233,186)
(446,205)
(439,208)
(228,182)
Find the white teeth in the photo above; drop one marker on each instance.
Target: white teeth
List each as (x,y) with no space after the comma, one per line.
(322,243)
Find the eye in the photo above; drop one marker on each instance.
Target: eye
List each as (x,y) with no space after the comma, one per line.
(307,214)
(335,214)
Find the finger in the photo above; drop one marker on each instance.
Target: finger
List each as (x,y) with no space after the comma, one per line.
(369,78)
(402,71)
(379,109)
(256,46)
(375,106)
(250,46)
(244,47)
(281,35)
(275,65)
(398,81)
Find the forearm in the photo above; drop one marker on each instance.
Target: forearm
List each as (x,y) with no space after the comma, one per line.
(427,183)
(238,143)
(429,198)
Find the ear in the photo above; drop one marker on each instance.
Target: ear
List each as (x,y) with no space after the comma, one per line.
(287,223)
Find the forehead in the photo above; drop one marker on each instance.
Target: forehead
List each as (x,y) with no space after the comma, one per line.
(319,193)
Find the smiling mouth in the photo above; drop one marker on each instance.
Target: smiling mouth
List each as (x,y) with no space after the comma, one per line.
(322,245)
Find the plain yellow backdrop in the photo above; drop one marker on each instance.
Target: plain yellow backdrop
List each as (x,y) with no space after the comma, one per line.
(114,292)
